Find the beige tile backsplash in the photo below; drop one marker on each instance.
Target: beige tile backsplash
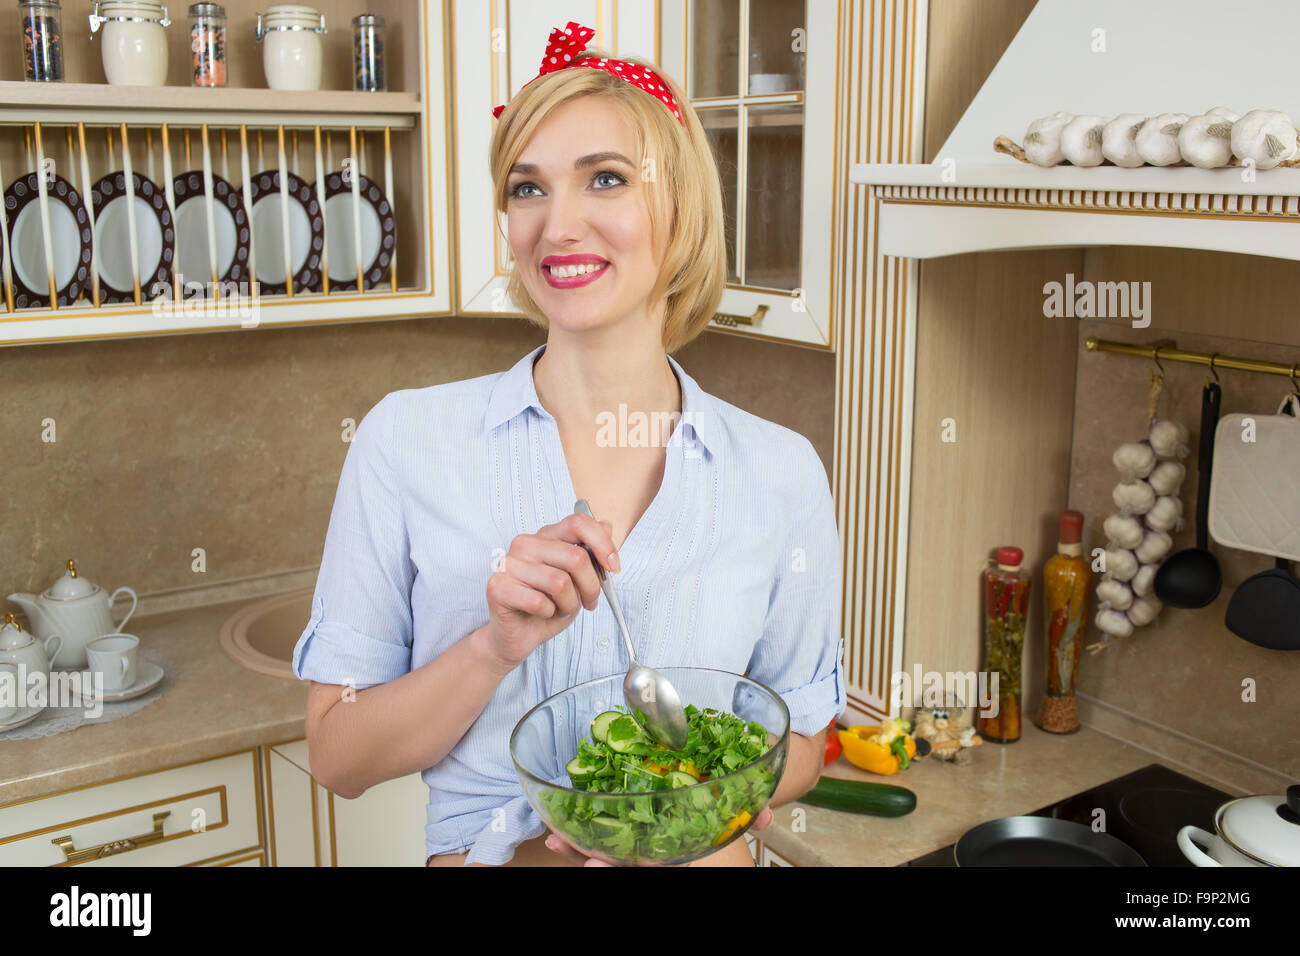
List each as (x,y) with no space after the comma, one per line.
(230,442)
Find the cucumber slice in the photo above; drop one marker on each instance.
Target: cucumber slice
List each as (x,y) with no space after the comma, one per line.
(580,771)
(600,725)
(609,825)
(680,778)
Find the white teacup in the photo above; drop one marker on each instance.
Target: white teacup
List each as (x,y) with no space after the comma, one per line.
(9,692)
(113,655)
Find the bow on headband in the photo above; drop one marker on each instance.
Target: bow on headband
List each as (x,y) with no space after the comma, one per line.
(563,48)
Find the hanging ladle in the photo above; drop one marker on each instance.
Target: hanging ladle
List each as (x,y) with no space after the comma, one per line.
(1192,577)
(645,689)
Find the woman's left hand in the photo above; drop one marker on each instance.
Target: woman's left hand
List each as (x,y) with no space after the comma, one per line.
(558,845)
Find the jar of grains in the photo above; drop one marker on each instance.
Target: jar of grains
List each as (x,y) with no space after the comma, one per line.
(133,41)
(291,46)
(42,40)
(208,44)
(368,53)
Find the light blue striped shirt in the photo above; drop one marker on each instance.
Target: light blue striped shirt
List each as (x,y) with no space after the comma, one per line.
(735,565)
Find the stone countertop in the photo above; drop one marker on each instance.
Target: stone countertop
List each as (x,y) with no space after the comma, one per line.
(1002,780)
(214,707)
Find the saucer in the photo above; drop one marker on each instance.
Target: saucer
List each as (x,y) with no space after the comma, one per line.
(25,715)
(147,676)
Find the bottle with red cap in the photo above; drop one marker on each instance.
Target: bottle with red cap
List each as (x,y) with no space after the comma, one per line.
(1065,592)
(1006,607)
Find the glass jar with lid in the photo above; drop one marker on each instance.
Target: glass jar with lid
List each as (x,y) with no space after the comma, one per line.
(133,41)
(291,46)
(42,40)
(208,44)
(368,65)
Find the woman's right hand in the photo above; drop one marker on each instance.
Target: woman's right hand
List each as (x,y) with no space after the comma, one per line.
(541,583)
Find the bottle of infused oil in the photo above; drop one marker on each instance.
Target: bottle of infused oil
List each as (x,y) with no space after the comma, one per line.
(1065,592)
(1006,607)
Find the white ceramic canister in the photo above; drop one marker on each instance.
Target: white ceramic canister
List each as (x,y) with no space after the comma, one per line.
(291,47)
(133,41)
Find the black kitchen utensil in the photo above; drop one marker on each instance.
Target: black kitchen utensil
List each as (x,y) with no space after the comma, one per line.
(1042,841)
(1265,609)
(1192,577)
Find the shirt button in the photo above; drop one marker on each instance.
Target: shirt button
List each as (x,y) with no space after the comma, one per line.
(603,643)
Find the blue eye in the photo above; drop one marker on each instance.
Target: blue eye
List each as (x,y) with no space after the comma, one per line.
(618,181)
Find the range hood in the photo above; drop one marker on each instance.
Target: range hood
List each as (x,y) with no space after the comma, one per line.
(1107,57)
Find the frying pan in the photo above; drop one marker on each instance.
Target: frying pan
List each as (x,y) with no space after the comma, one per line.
(1041,841)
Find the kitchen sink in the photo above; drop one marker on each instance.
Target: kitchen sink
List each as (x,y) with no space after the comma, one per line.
(261,636)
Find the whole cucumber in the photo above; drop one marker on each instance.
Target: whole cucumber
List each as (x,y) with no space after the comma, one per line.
(853,796)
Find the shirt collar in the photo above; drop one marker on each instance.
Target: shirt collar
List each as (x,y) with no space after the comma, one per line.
(515,392)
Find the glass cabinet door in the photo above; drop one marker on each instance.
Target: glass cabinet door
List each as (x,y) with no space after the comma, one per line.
(768,113)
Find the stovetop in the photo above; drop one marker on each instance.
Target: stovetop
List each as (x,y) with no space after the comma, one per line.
(1145,809)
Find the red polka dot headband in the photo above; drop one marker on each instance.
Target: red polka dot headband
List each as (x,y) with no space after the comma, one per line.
(565,45)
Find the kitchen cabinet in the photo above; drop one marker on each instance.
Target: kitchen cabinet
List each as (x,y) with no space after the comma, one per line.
(192,814)
(310,826)
(777,178)
(84,128)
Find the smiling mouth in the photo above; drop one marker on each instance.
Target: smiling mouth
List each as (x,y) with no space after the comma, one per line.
(569,272)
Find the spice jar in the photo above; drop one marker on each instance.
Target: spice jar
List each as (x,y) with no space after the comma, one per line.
(368,53)
(291,48)
(133,42)
(208,44)
(42,40)
(1006,607)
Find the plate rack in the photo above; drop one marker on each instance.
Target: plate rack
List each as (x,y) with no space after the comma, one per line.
(312,151)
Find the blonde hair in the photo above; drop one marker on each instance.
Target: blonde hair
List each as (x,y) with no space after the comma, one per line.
(687,209)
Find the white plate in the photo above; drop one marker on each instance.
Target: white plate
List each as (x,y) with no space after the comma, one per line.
(25,715)
(378,232)
(155,238)
(70,241)
(147,676)
(306,233)
(230,225)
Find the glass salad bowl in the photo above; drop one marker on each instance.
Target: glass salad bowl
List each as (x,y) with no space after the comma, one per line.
(615,794)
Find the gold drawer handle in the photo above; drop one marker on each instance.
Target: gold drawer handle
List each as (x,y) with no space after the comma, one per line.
(115,847)
(723,318)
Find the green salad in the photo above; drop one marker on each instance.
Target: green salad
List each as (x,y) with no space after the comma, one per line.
(620,758)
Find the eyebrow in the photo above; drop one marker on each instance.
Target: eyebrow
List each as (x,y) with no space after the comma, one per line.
(591,159)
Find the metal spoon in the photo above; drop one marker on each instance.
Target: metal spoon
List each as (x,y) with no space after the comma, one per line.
(644,688)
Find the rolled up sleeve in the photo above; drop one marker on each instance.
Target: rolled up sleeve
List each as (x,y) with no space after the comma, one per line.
(800,652)
(360,630)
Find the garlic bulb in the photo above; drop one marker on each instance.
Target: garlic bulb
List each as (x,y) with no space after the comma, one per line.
(1121,564)
(1123,530)
(1224,113)
(1157,140)
(1115,593)
(1265,137)
(1115,623)
(1119,140)
(1144,582)
(1167,477)
(1143,611)
(1133,497)
(1134,459)
(1164,514)
(1155,545)
(1169,439)
(1206,141)
(1043,139)
(1081,140)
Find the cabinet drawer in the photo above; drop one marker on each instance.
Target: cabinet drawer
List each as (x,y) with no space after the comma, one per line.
(212,810)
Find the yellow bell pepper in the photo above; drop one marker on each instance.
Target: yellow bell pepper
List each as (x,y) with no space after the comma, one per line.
(739,820)
(862,748)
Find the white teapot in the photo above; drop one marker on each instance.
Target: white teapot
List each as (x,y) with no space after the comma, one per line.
(21,647)
(76,610)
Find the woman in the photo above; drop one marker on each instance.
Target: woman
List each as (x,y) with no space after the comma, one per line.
(452,588)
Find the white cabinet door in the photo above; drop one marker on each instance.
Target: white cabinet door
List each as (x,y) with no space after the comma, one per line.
(382,827)
(776,136)
(498,48)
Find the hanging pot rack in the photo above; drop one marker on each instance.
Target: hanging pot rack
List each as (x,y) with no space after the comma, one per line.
(1163,351)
